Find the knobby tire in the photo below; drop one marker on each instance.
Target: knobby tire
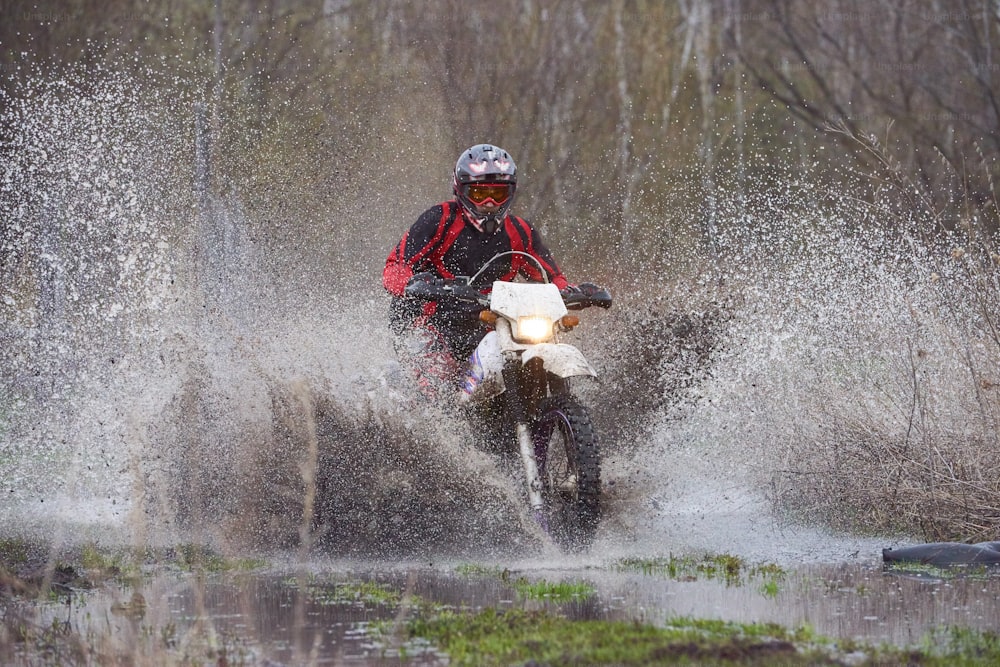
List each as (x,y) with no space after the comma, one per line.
(566,445)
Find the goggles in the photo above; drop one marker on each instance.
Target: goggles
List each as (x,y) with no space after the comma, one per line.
(480,193)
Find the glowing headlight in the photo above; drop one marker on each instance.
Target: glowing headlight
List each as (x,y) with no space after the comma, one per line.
(534,328)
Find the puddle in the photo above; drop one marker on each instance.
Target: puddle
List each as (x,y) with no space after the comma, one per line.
(841,601)
(320,615)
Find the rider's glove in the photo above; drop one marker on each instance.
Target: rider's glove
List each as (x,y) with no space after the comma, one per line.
(424,277)
(570,291)
(584,296)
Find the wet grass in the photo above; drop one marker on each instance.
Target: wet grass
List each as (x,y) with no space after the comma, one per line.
(416,628)
(493,637)
(201,558)
(32,569)
(554,591)
(358,593)
(731,570)
(541,589)
(963,646)
(14,552)
(516,636)
(478,570)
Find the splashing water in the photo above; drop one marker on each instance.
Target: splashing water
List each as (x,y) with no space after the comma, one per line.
(850,380)
(86,268)
(156,385)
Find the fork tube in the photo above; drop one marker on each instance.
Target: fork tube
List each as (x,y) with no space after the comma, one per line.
(530,466)
(512,381)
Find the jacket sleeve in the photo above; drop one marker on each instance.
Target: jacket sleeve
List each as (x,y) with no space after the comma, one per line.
(413,249)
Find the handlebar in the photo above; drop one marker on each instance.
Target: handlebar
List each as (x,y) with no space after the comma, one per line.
(435,289)
(587,295)
(432,288)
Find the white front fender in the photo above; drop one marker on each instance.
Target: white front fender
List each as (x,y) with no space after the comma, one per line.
(483,376)
(560,359)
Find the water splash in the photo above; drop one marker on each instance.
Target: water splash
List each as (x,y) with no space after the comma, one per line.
(160,386)
(86,265)
(849,385)
(160,381)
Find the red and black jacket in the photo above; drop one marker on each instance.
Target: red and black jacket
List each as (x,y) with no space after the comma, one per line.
(444,242)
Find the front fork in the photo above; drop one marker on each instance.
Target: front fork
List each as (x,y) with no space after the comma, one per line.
(524,389)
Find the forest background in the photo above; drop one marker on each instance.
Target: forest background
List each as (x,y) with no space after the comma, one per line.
(626,117)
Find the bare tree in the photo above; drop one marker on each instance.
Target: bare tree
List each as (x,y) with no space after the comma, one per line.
(913,85)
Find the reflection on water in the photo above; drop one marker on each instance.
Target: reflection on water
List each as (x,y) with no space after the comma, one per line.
(843,601)
(316,617)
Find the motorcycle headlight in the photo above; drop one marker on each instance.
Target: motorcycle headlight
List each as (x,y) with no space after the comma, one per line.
(533,329)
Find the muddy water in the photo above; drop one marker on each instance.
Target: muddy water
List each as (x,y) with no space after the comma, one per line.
(314,614)
(308,613)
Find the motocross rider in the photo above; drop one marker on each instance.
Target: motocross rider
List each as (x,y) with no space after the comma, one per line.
(457,238)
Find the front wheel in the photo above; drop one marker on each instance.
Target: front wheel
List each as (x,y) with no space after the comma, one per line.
(569,464)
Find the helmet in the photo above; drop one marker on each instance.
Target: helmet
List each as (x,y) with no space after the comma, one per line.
(485,180)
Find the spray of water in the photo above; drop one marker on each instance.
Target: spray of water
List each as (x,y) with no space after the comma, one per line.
(848,384)
(86,272)
(160,386)
(160,382)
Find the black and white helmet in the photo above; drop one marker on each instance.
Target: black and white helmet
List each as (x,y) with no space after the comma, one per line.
(485,181)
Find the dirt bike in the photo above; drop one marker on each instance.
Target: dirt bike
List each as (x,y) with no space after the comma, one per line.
(521,363)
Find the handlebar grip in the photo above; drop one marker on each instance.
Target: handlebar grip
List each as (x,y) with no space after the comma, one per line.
(421,289)
(438,289)
(590,295)
(601,298)
(464,292)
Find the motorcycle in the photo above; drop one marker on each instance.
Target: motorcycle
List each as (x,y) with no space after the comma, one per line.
(522,363)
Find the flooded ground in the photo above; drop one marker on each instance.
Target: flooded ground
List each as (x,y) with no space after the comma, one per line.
(320,613)
(657,561)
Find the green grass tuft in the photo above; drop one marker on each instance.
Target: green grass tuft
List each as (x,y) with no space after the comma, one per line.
(197,557)
(477,570)
(359,593)
(493,637)
(733,570)
(556,591)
